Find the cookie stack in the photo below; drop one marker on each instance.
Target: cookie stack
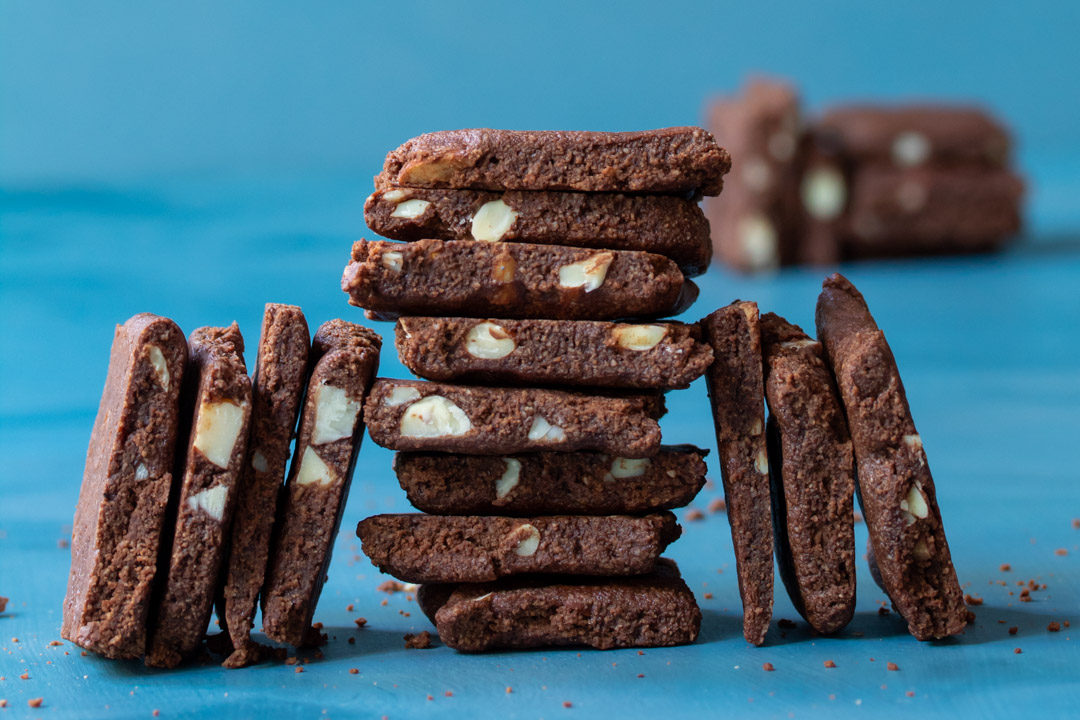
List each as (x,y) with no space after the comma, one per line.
(546,489)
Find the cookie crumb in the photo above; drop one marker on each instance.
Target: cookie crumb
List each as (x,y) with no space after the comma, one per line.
(1013,630)
(1018,651)
(891,666)
(1005,567)
(708,596)
(55,643)
(360,622)
(3,703)
(767,667)
(1076,523)
(448,694)
(509,689)
(910,693)
(786,624)
(429,697)
(883,611)
(972,600)
(35,702)
(1054,627)
(156,713)
(567,704)
(830,664)
(3,603)
(641,675)
(418,641)
(390,587)
(857,517)
(349,607)
(1061,552)
(299,668)
(693,515)
(354,671)
(717,505)
(25,676)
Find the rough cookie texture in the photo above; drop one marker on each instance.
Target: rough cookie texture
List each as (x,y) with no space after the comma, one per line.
(647,611)
(217,398)
(813,476)
(129,470)
(463,548)
(896,490)
(517,280)
(346,358)
(416,415)
(657,356)
(671,226)
(556,483)
(736,390)
(677,160)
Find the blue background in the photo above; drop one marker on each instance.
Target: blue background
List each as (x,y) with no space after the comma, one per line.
(200,159)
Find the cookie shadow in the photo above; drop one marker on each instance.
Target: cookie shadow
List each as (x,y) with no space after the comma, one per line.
(717,626)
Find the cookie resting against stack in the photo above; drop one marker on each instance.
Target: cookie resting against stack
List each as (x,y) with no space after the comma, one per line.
(536,268)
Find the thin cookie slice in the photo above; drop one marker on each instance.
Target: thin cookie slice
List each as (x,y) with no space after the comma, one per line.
(736,390)
(331,427)
(653,610)
(670,161)
(896,490)
(813,476)
(121,514)
(655,356)
(582,483)
(217,393)
(513,280)
(417,415)
(466,548)
(277,388)
(671,226)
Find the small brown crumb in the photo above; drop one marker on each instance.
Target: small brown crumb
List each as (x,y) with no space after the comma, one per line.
(62,543)
(1054,627)
(290,661)
(509,689)
(156,713)
(717,505)
(883,611)
(352,640)
(567,704)
(14,639)
(299,668)
(640,652)
(360,622)
(641,675)
(858,517)
(3,703)
(708,596)
(1013,630)
(693,514)
(1061,552)
(1066,623)
(1005,567)
(35,702)
(418,641)
(349,607)
(1018,651)
(972,600)
(830,664)
(317,626)
(449,694)
(787,624)
(910,693)
(891,666)
(354,671)
(55,643)
(430,697)
(385,602)
(25,676)
(767,667)
(3,603)
(1076,523)
(390,587)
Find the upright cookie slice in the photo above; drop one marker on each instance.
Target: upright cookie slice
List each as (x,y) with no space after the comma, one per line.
(657,356)
(217,392)
(514,280)
(736,390)
(416,415)
(331,427)
(673,161)
(278,386)
(671,226)
(551,483)
(896,489)
(646,611)
(813,476)
(125,490)
(464,548)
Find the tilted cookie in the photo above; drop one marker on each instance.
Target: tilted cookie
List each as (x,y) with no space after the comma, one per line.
(514,280)
(896,490)
(467,548)
(671,226)
(346,358)
(120,517)
(673,161)
(813,476)
(217,394)
(655,356)
(417,415)
(542,483)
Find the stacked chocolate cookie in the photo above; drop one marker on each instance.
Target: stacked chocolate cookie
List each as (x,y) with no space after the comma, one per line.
(546,487)
(183,503)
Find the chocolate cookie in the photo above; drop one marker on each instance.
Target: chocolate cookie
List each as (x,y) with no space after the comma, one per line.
(416,415)
(672,161)
(896,489)
(659,356)
(465,548)
(551,483)
(129,470)
(647,611)
(671,226)
(277,387)
(346,358)
(514,280)
(736,391)
(217,393)
(813,476)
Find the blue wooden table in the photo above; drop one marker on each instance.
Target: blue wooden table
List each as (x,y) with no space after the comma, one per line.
(988,348)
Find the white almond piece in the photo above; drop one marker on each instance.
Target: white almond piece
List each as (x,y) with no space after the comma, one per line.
(335,415)
(628,467)
(392,261)
(916,503)
(434,416)
(913,441)
(216,430)
(824,192)
(759,241)
(796,344)
(509,479)
(543,431)
(313,470)
(258,461)
(161,368)
(489,341)
(492,221)
(396,195)
(528,540)
(400,395)
(639,337)
(211,501)
(910,149)
(762,463)
(141,473)
(588,273)
(410,209)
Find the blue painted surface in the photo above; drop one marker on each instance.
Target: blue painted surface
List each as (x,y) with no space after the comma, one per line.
(987,347)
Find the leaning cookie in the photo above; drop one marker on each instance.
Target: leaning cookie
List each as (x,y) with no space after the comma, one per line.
(466,548)
(813,476)
(736,390)
(653,610)
(513,280)
(417,415)
(655,356)
(896,489)
(217,391)
(121,514)
(346,358)
(551,483)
